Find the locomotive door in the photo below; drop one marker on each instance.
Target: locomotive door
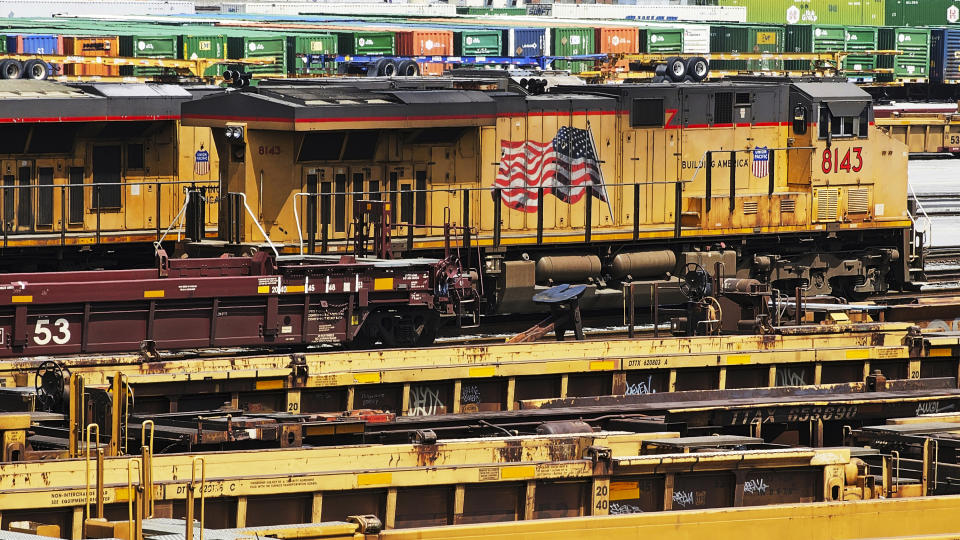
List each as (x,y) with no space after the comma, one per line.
(315,207)
(650,163)
(18,195)
(47,195)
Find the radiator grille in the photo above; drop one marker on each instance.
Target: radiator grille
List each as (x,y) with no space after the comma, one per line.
(750,207)
(858,201)
(827,204)
(787,206)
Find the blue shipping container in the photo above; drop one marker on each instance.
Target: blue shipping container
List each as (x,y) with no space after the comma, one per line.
(35,44)
(527,42)
(945,55)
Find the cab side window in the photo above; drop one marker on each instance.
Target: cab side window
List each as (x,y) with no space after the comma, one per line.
(831,126)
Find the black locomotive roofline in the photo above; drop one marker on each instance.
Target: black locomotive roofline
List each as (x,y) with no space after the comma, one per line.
(360,104)
(26,101)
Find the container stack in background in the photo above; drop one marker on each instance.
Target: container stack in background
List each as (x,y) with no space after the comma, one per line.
(920,29)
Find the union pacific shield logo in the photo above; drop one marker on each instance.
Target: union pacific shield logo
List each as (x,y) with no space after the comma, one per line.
(761,162)
(201,162)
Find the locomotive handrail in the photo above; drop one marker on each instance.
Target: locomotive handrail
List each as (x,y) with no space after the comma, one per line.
(96,206)
(243,197)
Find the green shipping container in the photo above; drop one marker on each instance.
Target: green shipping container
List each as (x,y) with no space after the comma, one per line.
(367,43)
(212,46)
(861,38)
(661,40)
(258,47)
(812,38)
(922,12)
(914,63)
(855,12)
(319,44)
(747,39)
(146,47)
(478,43)
(572,42)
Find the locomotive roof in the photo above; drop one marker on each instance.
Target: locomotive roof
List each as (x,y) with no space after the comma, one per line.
(28,101)
(833,91)
(356,103)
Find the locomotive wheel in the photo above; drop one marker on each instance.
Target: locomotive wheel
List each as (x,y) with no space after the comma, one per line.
(676,69)
(698,68)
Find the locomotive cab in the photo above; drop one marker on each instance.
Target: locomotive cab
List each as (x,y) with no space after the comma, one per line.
(856,176)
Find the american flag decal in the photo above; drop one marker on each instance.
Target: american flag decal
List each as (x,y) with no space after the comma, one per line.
(201,162)
(761,162)
(567,167)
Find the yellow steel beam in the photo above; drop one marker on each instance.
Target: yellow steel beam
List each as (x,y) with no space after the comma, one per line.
(64,483)
(879,518)
(243,473)
(886,341)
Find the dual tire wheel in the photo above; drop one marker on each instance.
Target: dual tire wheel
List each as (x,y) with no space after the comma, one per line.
(35,69)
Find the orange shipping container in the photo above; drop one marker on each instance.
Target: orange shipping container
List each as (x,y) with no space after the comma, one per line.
(616,40)
(431,68)
(425,43)
(91,46)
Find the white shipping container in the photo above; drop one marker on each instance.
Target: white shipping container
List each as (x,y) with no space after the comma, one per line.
(696,39)
(643,13)
(49,8)
(340,8)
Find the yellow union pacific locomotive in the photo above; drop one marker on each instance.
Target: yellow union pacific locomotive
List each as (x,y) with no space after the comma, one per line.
(789,182)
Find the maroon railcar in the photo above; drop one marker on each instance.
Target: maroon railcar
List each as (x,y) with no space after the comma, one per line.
(258,301)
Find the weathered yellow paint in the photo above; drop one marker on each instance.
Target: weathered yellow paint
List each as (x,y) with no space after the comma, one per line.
(488,371)
(518,472)
(873,519)
(620,491)
(366,378)
(374,479)
(274,384)
(857,354)
(346,368)
(939,351)
(602,365)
